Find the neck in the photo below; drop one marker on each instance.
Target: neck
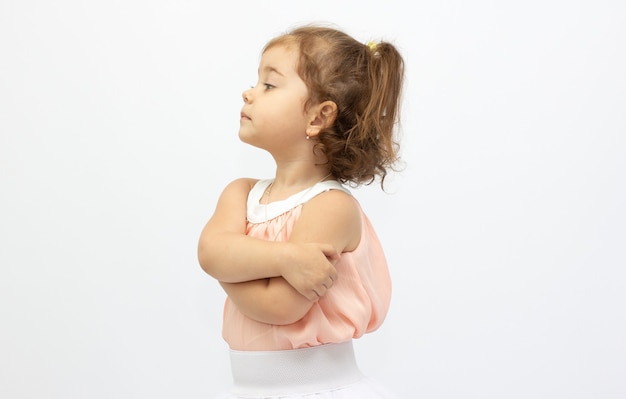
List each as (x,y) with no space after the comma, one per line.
(289,181)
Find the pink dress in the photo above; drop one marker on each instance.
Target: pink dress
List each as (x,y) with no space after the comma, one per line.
(314,356)
(357,303)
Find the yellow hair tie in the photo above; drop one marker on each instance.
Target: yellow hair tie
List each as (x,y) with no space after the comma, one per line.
(372,45)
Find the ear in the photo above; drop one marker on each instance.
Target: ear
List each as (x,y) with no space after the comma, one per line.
(322,116)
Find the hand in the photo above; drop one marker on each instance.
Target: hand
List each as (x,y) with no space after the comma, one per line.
(312,272)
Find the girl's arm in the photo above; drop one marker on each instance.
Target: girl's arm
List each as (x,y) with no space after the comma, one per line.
(270,300)
(227,254)
(332,218)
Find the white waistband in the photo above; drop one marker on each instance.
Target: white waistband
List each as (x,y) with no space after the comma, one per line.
(298,371)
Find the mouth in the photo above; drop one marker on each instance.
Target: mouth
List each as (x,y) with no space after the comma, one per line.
(244,116)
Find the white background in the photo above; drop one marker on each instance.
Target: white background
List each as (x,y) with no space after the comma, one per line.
(505,231)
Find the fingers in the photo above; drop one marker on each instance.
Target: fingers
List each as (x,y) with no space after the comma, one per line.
(321,290)
(328,250)
(329,283)
(314,271)
(331,253)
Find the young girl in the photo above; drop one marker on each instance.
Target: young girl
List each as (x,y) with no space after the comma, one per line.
(302,267)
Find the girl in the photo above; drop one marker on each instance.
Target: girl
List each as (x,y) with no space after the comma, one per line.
(302,267)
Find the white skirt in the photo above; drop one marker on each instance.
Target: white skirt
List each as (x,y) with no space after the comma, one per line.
(321,372)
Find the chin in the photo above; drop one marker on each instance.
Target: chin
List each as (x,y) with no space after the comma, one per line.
(245,138)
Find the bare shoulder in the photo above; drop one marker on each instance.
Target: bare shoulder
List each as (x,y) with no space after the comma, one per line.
(332,217)
(231,206)
(335,204)
(237,190)
(241,184)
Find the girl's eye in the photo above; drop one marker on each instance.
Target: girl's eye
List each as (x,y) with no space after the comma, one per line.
(268,86)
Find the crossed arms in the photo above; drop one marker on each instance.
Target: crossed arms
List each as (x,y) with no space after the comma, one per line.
(278,282)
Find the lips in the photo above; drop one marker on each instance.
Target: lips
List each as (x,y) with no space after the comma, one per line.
(243,116)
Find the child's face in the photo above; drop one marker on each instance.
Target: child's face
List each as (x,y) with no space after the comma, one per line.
(273,115)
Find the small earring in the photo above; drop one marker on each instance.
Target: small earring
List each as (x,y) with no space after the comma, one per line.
(308,137)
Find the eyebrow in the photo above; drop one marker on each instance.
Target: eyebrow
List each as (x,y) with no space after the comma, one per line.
(269,69)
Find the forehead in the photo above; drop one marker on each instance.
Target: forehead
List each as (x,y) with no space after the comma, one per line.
(281,59)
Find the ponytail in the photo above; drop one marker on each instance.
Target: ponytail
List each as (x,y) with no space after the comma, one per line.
(382,113)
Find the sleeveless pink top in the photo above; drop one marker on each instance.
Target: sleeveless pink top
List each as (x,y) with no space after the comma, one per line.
(356,304)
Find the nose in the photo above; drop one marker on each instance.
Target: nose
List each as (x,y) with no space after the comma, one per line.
(246,96)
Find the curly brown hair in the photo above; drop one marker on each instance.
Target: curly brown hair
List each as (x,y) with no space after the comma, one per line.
(365,82)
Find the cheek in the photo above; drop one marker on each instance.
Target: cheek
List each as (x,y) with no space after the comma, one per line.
(284,116)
